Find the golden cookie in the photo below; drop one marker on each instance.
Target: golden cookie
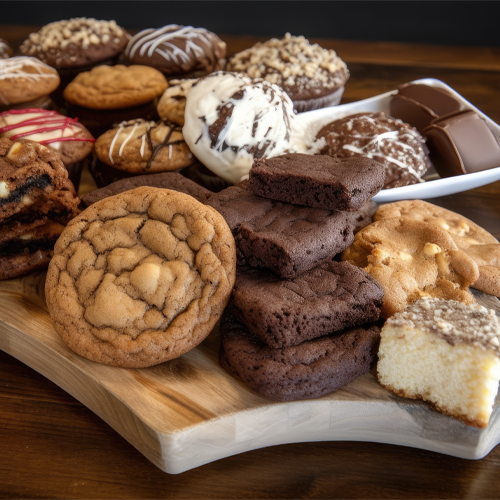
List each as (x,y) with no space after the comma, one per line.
(472,239)
(412,259)
(141,277)
(115,87)
(172,103)
(142,147)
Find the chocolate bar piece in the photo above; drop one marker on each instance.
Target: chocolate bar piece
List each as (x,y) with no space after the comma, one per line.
(419,104)
(462,143)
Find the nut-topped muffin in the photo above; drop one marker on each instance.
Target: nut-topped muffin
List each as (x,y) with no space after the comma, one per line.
(5,49)
(313,77)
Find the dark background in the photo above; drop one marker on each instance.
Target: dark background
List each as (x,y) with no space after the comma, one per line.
(442,22)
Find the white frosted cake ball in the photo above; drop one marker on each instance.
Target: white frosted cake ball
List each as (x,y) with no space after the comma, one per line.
(230,120)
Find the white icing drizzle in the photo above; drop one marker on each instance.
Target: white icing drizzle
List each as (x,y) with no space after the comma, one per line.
(143,145)
(113,142)
(170,151)
(129,136)
(154,38)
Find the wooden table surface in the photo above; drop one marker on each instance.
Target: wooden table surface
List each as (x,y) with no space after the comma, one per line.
(51,446)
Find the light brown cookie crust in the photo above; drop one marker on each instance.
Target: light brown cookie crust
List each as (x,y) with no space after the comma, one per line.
(412,259)
(142,147)
(172,103)
(115,87)
(472,239)
(141,277)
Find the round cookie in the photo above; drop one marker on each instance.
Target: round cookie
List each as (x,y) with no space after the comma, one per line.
(141,277)
(412,259)
(397,145)
(141,147)
(172,103)
(313,77)
(470,238)
(181,51)
(76,43)
(115,87)
(26,80)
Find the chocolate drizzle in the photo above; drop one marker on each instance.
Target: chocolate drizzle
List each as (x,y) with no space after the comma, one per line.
(156,149)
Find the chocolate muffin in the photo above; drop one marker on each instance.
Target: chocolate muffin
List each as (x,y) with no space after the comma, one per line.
(397,145)
(313,77)
(178,51)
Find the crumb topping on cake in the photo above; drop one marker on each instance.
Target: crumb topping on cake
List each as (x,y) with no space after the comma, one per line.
(292,62)
(453,321)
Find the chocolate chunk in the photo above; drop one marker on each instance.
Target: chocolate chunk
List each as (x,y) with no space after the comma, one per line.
(318,181)
(418,104)
(462,143)
(308,370)
(326,299)
(285,238)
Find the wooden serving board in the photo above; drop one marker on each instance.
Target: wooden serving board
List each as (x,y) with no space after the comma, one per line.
(189,411)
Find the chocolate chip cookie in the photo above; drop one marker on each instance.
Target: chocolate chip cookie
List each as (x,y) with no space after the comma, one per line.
(141,277)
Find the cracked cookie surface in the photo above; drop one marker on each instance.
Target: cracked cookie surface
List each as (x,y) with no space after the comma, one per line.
(412,259)
(141,277)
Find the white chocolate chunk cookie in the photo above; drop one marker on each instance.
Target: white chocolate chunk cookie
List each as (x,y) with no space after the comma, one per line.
(472,239)
(141,277)
(412,259)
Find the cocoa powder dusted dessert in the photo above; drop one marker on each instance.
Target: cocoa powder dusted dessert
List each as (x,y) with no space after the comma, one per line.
(397,145)
(26,82)
(141,277)
(178,51)
(446,353)
(313,77)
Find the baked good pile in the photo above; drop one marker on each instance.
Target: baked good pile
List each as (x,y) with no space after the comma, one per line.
(216,202)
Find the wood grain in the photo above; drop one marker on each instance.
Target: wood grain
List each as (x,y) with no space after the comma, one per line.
(52,446)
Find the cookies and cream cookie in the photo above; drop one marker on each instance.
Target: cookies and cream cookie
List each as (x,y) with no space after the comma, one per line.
(24,80)
(313,77)
(472,239)
(115,87)
(76,42)
(412,259)
(446,353)
(177,50)
(397,145)
(141,277)
(172,103)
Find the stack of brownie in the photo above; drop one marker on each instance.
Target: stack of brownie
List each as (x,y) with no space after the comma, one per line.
(36,200)
(298,324)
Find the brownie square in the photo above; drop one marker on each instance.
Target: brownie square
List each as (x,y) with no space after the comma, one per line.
(285,238)
(325,299)
(318,181)
(305,371)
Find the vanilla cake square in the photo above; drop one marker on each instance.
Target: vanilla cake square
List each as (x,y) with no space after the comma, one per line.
(446,353)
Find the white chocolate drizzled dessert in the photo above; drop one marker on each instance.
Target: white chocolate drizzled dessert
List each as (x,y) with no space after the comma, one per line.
(446,353)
